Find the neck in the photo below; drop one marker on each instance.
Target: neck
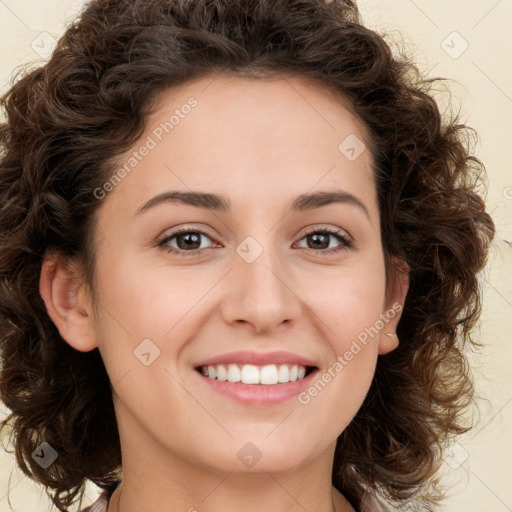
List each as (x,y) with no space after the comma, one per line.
(169,485)
(158,478)
(338,503)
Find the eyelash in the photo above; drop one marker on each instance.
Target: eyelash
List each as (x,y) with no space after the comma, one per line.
(346,241)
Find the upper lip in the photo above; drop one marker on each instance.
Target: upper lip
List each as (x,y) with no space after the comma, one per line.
(257,358)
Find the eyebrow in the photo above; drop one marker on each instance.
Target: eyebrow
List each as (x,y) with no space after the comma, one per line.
(210,201)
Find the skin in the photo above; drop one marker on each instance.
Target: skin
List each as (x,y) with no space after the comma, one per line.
(260,143)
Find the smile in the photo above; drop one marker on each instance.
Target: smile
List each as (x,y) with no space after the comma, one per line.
(269,375)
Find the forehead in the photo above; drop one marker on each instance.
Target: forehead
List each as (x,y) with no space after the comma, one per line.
(256,137)
(263,103)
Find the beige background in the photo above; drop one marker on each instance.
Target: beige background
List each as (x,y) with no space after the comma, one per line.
(478,469)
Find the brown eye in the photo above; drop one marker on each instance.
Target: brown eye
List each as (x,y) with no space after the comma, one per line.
(190,240)
(187,241)
(321,238)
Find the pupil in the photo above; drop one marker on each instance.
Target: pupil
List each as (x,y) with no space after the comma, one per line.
(315,237)
(195,240)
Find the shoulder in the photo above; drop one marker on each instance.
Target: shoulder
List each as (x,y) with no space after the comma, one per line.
(101,504)
(370,503)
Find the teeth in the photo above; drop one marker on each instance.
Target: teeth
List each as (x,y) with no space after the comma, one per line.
(250,374)
(234,374)
(283,375)
(268,374)
(222,373)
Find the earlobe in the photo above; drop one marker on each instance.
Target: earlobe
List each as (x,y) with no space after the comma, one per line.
(67,305)
(388,343)
(396,293)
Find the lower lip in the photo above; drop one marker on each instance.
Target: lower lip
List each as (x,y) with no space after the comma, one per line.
(259,394)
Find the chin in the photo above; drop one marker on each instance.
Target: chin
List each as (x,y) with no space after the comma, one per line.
(252,454)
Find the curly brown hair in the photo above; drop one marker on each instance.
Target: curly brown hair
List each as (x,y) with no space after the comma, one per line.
(68,119)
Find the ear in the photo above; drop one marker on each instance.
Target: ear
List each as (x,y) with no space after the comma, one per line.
(396,291)
(68,302)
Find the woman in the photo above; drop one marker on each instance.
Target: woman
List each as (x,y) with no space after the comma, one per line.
(239,262)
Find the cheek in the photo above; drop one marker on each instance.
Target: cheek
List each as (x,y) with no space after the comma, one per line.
(140,303)
(349,311)
(148,300)
(348,301)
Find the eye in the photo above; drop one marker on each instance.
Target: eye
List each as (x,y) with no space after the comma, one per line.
(187,241)
(320,239)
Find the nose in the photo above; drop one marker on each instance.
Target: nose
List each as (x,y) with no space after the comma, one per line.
(261,293)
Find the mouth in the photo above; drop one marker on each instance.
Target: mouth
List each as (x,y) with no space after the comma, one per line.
(256,386)
(256,378)
(267,375)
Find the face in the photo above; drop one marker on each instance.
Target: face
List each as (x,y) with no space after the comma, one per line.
(260,276)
